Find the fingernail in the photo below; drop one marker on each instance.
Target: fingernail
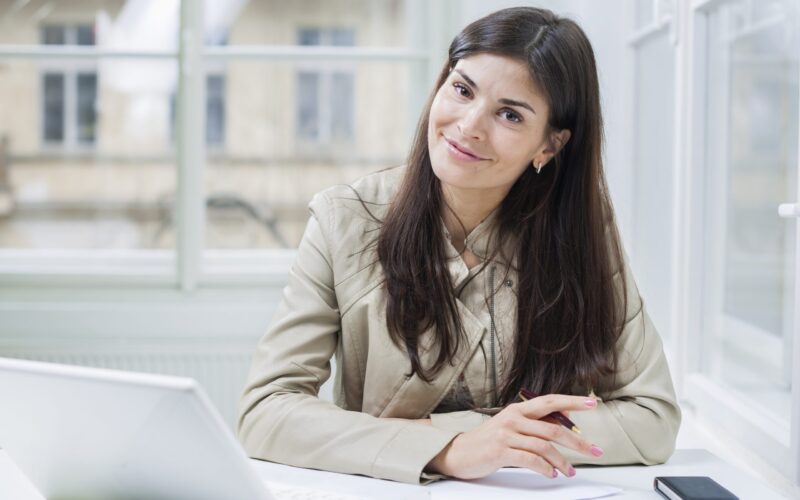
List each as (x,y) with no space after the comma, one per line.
(555,473)
(572,471)
(597,451)
(590,403)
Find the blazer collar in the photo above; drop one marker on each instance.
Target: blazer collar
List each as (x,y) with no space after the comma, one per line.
(415,398)
(481,240)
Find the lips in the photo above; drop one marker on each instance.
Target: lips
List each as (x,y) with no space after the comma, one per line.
(462,148)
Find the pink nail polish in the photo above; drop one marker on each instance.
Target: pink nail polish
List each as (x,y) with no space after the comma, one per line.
(591,403)
(572,471)
(597,451)
(555,473)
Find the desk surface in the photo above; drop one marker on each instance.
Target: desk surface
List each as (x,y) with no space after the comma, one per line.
(635,481)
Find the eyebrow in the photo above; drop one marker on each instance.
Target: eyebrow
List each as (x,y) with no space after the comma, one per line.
(506,101)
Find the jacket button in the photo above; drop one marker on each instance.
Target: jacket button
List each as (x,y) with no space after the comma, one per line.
(509,283)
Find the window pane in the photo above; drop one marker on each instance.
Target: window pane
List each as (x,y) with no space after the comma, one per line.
(215,110)
(342,107)
(342,37)
(308,105)
(87,115)
(84,35)
(53,35)
(309,36)
(652,216)
(53,106)
(259,187)
(752,157)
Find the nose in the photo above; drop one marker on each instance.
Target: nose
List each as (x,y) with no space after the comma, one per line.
(471,123)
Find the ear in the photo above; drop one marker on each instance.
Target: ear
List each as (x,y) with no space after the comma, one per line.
(558,140)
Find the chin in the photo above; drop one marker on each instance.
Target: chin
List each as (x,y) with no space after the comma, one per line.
(455,175)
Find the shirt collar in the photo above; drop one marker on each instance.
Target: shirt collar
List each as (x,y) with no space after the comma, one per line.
(480,239)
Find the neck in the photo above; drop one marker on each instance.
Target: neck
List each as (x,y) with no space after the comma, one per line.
(469,206)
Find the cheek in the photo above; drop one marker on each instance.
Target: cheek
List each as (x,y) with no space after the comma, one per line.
(445,108)
(437,111)
(520,145)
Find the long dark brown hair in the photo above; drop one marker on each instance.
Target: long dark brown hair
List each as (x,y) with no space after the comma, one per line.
(559,222)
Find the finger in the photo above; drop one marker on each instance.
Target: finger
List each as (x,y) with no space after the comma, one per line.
(527,460)
(537,408)
(549,419)
(544,449)
(555,432)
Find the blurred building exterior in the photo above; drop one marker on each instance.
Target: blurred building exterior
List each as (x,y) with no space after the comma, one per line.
(89,160)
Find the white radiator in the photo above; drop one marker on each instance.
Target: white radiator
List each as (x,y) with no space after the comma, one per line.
(221,374)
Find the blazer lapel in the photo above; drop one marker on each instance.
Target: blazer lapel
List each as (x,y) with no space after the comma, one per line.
(415,398)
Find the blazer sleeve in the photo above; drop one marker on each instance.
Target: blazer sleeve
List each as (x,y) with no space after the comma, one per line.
(638,419)
(281,419)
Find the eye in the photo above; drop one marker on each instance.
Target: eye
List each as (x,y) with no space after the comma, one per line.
(511,116)
(462,89)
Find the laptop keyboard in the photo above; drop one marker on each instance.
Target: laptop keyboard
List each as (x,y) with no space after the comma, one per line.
(291,492)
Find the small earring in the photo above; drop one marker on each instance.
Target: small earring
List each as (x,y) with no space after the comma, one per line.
(539,168)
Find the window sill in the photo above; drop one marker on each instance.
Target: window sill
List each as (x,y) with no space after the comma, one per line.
(139,268)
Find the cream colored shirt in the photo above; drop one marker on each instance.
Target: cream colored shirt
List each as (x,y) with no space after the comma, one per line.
(475,288)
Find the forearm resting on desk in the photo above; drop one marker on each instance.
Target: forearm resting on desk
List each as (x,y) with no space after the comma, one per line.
(517,437)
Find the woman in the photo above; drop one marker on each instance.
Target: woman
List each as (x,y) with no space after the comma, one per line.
(491,262)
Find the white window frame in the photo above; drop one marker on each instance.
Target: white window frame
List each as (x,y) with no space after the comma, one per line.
(774,441)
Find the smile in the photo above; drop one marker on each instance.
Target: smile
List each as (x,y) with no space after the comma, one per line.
(460,152)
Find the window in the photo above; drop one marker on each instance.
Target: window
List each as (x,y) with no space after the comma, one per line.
(53,107)
(325,100)
(87,118)
(743,264)
(69,95)
(215,112)
(752,166)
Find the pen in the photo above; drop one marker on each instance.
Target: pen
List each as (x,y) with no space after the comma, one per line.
(559,417)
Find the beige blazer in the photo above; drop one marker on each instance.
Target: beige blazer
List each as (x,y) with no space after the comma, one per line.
(334,305)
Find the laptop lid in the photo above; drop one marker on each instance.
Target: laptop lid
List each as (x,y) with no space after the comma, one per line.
(91,433)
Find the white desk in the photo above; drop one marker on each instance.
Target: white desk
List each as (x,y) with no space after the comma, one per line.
(635,481)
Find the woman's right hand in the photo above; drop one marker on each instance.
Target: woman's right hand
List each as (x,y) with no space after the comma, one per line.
(516,437)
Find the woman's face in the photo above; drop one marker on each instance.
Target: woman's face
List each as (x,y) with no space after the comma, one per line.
(487,124)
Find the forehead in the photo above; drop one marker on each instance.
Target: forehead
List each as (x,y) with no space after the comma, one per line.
(502,77)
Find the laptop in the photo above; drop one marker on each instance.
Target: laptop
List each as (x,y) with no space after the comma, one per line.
(92,433)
